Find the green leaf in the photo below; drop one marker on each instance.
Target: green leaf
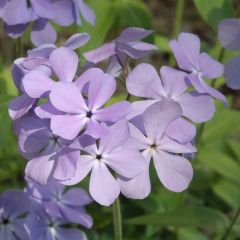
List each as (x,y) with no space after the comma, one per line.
(220,163)
(234,145)
(190,234)
(214,11)
(228,191)
(133,13)
(197,216)
(224,124)
(105,15)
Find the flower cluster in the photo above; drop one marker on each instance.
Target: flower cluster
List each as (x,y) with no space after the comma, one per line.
(42,212)
(18,15)
(229,35)
(68,126)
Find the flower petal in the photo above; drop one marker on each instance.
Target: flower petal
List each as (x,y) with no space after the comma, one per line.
(175,172)
(158,116)
(143,81)
(64,62)
(77,40)
(96,129)
(103,187)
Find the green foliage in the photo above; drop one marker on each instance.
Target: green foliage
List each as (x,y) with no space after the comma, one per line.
(214,11)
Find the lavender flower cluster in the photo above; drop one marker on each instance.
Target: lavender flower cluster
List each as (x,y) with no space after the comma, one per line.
(69,125)
(43,212)
(18,15)
(66,131)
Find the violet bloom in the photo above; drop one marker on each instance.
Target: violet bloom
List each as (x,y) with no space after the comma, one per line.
(13,206)
(229,35)
(41,226)
(108,153)
(17,15)
(174,171)
(144,81)
(57,202)
(48,155)
(86,115)
(127,44)
(186,50)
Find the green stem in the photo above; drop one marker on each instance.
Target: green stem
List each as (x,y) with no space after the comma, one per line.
(19,47)
(117,220)
(229,229)
(177,24)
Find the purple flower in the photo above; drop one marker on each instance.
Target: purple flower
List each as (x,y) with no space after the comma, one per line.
(127,44)
(48,155)
(174,171)
(81,114)
(57,202)
(144,81)
(13,205)
(108,153)
(186,50)
(17,15)
(41,226)
(229,35)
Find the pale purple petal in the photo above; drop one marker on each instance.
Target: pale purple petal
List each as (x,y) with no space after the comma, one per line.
(40,169)
(169,145)
(133,34)
(69,233)
(197,107)
(118,134)
(140,186)
(175,172)
(100,90)
(36,83)
(84,166)
(43,8)
(181,130)
(20,105)
(42,33)
(103,187)
(15,31)
(76,197)
(87,12)
(113,113)
(186,50)
(210,68)
(232,73)
(77,40)
(67,126)
(143,81)
(46,110)
(67,97)
(158,116)
(64,62)
(127,162)
(96,129)
(229,33)
(101,53)
(173,81)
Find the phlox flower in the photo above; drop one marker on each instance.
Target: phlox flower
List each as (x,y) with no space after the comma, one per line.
(57,202)
(174,171)
(106,154)
(41,226)
(229,35)
(48,155)
(127,44)
(13,206)
(144,81)
(86,115)
(186,50)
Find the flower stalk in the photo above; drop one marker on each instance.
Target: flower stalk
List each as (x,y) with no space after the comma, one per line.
(117,220)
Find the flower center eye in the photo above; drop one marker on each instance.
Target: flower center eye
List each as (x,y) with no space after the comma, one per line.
(99,157)
(89,114)
(5,221)
(28,4)
(153,146)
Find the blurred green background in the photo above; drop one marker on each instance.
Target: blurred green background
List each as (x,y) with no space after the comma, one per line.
(206,209)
